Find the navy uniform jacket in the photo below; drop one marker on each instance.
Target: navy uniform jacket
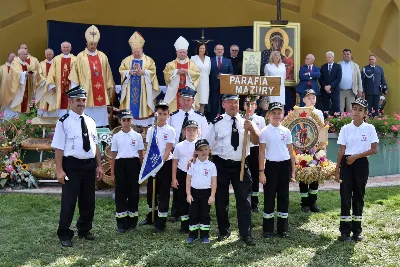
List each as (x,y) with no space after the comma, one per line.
(373,80)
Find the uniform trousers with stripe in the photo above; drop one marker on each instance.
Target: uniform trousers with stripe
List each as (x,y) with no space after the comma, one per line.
(277,186)
(308,193)
(252,161)
(199,213)
(229,173)
(182,204)
(126,192)
(352,190)
(80,186)
(163,186)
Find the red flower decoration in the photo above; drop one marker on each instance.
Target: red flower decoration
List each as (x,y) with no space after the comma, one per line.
(303,163)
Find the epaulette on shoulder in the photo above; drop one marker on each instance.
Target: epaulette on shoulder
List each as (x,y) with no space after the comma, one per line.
(175,112)
(198,112)
(217,119)
(63,118)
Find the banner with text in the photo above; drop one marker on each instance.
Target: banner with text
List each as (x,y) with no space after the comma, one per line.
(250,84)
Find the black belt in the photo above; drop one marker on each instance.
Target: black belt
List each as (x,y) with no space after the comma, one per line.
(81,161)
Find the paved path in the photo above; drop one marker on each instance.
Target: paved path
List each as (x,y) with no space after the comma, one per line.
(379,181)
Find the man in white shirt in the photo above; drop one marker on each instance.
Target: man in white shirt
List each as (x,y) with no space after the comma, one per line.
(226,140)
(351,84)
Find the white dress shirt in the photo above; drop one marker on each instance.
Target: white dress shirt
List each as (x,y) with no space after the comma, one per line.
(219,138)
(127,145)
(202,172)
(165,134)
(260,122)
(276,140)
(176,121)
(357,139)
(183,152)
(320,114)
(68,136)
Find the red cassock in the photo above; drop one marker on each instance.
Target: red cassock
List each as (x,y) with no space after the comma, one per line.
(182,80)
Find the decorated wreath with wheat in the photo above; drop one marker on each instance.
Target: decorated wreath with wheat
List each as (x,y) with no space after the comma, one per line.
(310,138)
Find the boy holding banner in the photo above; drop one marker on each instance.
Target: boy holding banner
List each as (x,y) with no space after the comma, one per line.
(165,139)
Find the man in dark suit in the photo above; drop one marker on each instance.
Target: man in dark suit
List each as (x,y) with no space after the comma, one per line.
(331,75)
(374,84)
(309,75)
(219,65)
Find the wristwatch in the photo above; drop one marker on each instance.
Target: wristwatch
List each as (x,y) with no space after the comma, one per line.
(262,170)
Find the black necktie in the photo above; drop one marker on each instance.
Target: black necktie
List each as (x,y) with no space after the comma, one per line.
(181,138)
(85,135)
(235,135)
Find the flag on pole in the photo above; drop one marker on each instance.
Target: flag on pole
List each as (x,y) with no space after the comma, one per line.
(153,160)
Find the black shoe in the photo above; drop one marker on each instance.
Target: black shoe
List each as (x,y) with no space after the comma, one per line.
(66,243)
(305,209)
(223,237)
(283,235)
(87,236)
(248,240)
(267,235)
(255,210)
(345,238)
(315,208)
(358,238)
(173,219)
(145,222)
(121,230)
(158,230)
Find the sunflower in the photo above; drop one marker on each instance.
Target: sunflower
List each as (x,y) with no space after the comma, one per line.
(17,162)
(25,167)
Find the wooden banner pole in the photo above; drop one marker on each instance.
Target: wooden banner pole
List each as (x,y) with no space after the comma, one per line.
(153,200)
(244,146)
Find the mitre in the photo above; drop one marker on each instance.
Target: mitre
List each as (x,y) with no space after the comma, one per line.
(181,44)
(136,41)
(92,34)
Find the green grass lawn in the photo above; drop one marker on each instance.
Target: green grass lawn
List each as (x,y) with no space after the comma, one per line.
(28,225)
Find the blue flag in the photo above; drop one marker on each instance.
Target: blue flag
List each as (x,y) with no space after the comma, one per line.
(153,160)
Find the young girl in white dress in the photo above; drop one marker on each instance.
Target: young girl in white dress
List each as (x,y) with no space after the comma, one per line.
(204,64)
(275,67)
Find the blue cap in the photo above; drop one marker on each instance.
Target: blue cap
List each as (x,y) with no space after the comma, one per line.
(230,97)
(200,143)
(76,92)
(360,101)
(125,113)
(309,92)
(191,124)
(275,105)
(162,104)
(188,92)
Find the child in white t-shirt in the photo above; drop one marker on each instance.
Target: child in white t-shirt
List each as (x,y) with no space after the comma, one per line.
(309,192)
(183,153)
(276,148)
(127,157)
(357,141)
(201,185)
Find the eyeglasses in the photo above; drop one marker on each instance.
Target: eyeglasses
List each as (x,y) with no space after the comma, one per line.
(235,50)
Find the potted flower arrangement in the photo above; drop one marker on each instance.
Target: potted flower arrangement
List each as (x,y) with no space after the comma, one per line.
(387,125)
(14,173)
